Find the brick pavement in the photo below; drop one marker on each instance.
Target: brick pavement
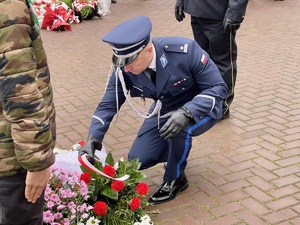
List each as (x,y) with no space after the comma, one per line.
(243,171)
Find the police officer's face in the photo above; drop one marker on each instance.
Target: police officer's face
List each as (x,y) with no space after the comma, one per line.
(141,62)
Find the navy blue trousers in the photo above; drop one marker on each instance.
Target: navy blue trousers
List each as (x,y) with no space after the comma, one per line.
(221,47)
(151,149)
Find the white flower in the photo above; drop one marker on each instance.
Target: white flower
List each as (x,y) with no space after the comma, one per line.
(145,220)
(80,223)
(92,221)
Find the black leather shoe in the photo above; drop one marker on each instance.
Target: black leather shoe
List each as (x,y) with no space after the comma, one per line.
(169,190)
(113,1)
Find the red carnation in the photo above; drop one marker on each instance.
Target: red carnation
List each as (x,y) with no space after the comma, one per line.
(142,188)
(117,185)
(86,177)
(135,203)
(82,143)
(100,208)
(109,170)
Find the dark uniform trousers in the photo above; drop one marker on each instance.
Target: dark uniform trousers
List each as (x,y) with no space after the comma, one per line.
(174,151)
(221,47)
(12,190)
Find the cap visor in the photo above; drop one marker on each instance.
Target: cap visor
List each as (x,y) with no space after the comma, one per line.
(120,62)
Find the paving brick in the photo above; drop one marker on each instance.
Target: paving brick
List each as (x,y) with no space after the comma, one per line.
(250,218)
(282,203)
(259,195)
(280,217)
(225,220)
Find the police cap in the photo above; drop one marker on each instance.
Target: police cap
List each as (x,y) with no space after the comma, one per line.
(128,39)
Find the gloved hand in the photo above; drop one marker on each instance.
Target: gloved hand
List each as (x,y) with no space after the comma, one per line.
(92,143)
(178,119)
(179,13)
(230,25)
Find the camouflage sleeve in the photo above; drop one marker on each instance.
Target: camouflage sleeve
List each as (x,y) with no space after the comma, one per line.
(26,93)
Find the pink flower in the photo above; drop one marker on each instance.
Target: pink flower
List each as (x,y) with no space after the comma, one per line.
(83,190)
(54,198)
(58,215)
(50,204)
(48,216)
(71,205)
(61,207)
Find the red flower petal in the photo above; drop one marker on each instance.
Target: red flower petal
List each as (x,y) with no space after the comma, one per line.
(117,185)
(142,189)
(100,208)
(81,143)
(135,203)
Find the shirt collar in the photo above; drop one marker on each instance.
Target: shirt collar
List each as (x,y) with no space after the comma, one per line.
(153,62)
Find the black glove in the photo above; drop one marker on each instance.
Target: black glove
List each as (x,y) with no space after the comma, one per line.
(92,143)
(230,25)
(179,13)
(178,119)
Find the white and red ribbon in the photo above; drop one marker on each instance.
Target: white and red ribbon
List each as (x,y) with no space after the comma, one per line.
(86,164)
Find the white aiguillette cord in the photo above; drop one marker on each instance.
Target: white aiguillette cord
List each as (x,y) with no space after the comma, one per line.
(157,108)
(86,164)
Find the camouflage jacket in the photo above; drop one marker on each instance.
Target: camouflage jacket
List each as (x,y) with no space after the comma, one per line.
(27,113)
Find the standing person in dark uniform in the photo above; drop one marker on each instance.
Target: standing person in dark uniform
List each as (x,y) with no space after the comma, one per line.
(214,25)
(187,90)
(27,116)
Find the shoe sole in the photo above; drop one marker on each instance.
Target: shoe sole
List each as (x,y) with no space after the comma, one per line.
(182,189)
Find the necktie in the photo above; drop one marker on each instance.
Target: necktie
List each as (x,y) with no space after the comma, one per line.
(152,75)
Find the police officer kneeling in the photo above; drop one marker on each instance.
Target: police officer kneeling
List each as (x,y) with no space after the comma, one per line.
(187,90)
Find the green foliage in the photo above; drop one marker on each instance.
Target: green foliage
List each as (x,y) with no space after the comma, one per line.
(86,12)
(68,3)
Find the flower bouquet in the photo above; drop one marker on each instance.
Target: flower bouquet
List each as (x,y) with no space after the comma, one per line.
(106,192)
(87,9)
(58,15)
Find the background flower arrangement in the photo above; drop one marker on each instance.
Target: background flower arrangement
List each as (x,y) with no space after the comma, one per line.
(58,15)
(88,197)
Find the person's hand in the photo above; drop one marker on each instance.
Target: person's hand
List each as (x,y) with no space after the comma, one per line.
(35,184)
(177,120)
(230,25)
(179,13)
(90,147)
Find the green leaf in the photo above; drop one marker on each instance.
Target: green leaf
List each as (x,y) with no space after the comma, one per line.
(109,159)
(109,193)
(98,165)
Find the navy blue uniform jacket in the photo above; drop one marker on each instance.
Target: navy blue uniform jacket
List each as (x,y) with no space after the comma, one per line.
(215,9)
(185,76)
